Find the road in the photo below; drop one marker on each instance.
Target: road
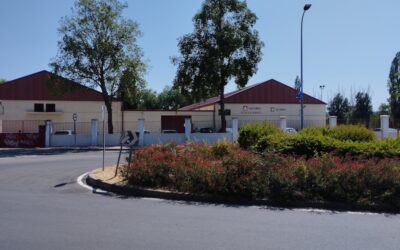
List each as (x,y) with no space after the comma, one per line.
(43,207)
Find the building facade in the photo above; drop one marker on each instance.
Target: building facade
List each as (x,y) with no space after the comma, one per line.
(266,101)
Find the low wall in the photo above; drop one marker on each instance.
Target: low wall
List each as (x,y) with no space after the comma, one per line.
(21,140)
(83,140)
(80,140)
(387,134)
(211,138)
(159,138)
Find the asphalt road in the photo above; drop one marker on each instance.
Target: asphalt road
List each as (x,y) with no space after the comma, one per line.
(42,207)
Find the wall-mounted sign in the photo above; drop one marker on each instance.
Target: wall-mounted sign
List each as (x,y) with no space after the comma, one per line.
(274,109)
(227,112)
(250,110)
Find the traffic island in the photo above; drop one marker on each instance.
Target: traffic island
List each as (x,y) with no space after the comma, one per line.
(107,181)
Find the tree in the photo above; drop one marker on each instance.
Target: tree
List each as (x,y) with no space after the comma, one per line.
(223,46)
(338,106)
(98,48)
(2,80)
(132,86)
(384,109)
(363,107)
(148,100)
(394,88)
(171,99)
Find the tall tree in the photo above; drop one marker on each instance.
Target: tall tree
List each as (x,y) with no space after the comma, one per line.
(171,99)
(363,107)
(339,106)
(223,46)
(132,86)
(148,100)
(394,88)
(97,46)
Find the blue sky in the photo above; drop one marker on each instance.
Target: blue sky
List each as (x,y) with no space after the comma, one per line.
(348,45)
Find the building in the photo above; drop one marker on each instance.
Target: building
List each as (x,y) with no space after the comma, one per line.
(27,102)
(266,101)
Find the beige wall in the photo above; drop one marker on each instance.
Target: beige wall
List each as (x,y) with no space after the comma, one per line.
(314,114)
(153,119)
(24,111)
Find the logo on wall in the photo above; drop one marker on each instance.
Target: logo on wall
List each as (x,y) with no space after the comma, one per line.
(273,109)
(250,110)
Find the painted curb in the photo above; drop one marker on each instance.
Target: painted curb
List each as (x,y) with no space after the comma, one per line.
(187,197)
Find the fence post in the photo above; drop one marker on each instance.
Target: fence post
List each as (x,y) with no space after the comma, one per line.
(93,132)
(283,123)
(188,128)
(332,121)
(47,140)
(384,125)
(235,129)
(141,132)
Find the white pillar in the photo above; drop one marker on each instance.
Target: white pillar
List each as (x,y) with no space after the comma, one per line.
(47,134)
(384,122)
(235,129)
(283,123)
(1,126)
(141,132)
(384,126)
(94,132)
(332,121)
(188,128)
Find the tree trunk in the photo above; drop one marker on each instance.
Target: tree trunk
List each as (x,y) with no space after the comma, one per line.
(109,117)
(108,102)
(222,105)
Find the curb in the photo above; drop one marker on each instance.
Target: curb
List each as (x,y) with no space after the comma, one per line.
(136,191)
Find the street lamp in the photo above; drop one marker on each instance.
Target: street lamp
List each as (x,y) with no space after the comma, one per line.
(322,91)
(306,7)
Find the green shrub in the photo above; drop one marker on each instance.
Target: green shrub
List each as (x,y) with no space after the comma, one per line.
(341,133)
(341,141)
(250,133)
(351,133)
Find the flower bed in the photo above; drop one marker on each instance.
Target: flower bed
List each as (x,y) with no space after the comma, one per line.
(229,171)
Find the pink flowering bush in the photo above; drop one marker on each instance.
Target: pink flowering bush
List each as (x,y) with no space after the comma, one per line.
(227,170)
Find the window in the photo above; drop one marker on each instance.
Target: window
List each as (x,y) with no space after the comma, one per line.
(50,107)
(38,107)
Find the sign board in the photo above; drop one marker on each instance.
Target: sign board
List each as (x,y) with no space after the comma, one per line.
(227,112)
(250,110)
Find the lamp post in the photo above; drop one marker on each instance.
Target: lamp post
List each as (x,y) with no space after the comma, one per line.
(322,91)
(306,7)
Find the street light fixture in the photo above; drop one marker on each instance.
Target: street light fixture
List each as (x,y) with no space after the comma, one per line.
(306,7)
(322,91)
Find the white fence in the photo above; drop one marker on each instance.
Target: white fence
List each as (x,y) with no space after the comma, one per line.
(94,138)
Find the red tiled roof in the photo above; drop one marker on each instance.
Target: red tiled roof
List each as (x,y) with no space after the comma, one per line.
(268,92)
(36,87)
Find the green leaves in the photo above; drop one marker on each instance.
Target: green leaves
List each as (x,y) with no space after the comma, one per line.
(98,48)
(223,46)
(394,88)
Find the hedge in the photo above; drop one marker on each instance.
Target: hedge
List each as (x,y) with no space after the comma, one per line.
(341,141)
